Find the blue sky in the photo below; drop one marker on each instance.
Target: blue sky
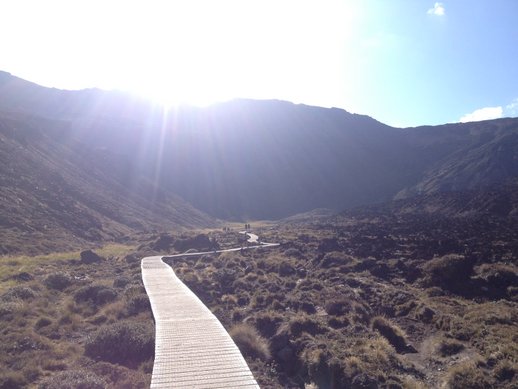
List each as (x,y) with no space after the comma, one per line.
(403,62)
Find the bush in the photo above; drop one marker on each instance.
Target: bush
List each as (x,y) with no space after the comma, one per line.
(42,322)
(89,257)
(448,270)
(336,258)
(137,304)
(450,347)
(293,252)
(285,269)
(23,276)
(467,375)
(303,323)
(97,294)
(250,342)
(506,370)
(132,290)
(338,308)
(8,310)
(132,258)
(266,323)
(12,380)
(127,343)
(121,282)
(18,292)
(77,379)
(58,281)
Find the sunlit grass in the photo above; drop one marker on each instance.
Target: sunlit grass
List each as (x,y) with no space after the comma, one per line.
(45,322)
(11,265)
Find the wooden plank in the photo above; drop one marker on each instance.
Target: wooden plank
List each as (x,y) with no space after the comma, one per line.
(192,348)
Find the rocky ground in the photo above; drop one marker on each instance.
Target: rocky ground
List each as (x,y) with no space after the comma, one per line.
(361,300)
(368,301)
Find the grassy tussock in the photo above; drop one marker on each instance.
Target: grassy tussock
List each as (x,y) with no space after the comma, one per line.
(390,331)
(364,305)
(250,342)
(49,307)
(467,375)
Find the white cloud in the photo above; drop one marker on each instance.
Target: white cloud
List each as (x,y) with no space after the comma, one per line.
(511,109)
(438,10)
(486,113)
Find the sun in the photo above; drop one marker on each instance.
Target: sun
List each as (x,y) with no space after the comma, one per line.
(183,52)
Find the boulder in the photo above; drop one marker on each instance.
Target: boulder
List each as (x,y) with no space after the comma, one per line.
(88,257)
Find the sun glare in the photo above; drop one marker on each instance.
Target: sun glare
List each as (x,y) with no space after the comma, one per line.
(193,52)
(201,52)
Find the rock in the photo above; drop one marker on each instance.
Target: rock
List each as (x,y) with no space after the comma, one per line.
(88,257)
(425,314)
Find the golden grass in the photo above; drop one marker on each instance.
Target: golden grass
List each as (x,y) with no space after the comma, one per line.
(44,329)
(250,342)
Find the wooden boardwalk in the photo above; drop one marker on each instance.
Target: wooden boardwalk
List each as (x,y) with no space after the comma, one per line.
(192,348)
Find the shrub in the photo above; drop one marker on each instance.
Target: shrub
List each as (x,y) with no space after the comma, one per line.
(293,252)
(89,257)
(425,314)
(23,276)
(28,342)
(303,323)
(448,270)
(266,322)
(121,282)
(338,308)
(12,380)
(77,379)
(7,309)
(391,332)
(97,294)
(250,342)
(137,304)
(58,281)
(132,258)
(18,292)
(127,343)
(450,347)
(506,370)
(336,258)
(285,269)
(338,322)
(467,376)
(134,290)
(42,322)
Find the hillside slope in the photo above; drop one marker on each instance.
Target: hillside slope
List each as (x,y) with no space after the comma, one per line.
(247,159)
(56,196)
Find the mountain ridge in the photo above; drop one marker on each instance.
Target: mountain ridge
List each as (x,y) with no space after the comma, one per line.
(238,160)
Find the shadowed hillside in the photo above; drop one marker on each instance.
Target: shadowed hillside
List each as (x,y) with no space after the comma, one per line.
(57,196)
(249,159)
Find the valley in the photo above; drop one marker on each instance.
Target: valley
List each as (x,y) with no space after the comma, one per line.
(397,258)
